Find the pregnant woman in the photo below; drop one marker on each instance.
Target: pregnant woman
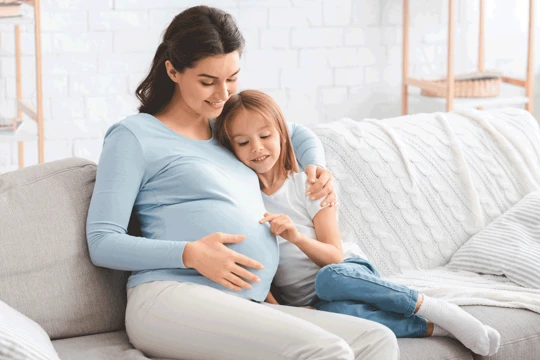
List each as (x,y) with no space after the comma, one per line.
(204,264)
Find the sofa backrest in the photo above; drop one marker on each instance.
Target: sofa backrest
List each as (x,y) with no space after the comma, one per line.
(414,188)
(45,269)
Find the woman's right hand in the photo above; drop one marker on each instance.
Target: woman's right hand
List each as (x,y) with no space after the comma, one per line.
(215,261)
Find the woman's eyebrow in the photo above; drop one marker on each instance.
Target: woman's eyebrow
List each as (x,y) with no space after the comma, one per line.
(215,77)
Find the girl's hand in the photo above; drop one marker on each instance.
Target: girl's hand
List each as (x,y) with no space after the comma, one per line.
(215,261)
(282,225)
(322,185)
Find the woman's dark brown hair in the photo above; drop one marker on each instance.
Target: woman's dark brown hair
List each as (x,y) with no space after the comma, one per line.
(264,105)
(194,34)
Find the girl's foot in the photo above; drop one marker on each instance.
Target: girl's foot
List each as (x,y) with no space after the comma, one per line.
(463,326)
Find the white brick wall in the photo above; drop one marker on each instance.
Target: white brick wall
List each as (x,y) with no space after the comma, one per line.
(320,59)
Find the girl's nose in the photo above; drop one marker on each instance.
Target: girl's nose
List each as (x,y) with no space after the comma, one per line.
(257,146)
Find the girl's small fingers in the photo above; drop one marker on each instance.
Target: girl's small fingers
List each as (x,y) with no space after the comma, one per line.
(269,217)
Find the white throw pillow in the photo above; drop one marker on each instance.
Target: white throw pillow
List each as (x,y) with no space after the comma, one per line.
(509,246)
(21,338)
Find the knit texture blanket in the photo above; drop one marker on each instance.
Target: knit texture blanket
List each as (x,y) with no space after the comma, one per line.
(414,189)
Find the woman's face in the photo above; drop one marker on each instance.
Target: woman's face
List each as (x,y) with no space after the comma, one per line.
(206,87)
(255,141)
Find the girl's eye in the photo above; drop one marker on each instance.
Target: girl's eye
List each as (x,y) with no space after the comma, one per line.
(265,136)
(243,143)
(206,84)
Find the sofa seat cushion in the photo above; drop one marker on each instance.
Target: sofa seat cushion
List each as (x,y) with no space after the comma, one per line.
(440,348)
(106,346)
(519,328)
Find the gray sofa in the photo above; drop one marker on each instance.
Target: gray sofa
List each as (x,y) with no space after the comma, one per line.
(46,274)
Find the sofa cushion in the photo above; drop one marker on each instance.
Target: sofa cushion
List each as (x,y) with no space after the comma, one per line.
(21,338)
(440,348)
(509,246)
(45,269)
(519,328)
(108,346)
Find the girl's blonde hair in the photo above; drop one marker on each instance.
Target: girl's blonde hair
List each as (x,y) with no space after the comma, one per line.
(264,105)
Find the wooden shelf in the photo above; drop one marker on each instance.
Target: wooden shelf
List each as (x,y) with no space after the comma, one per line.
(448,88)
(468,103)
(33,113)
(20,136)
(16,20)
(473,103)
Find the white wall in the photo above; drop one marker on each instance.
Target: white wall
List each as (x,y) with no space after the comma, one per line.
(320,59)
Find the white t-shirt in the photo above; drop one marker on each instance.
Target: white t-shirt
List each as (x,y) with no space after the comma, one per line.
(295,276)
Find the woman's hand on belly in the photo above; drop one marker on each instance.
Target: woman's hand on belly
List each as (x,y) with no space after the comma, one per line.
(215,261)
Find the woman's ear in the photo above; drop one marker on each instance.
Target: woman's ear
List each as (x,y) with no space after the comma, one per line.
(171,71)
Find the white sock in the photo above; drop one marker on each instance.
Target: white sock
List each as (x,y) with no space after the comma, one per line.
(439,331)
(494,340)
(463,326)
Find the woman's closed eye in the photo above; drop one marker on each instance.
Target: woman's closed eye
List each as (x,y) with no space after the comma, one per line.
(213,83)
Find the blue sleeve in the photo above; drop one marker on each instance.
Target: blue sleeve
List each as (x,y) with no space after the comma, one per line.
(307,146)
(119,177)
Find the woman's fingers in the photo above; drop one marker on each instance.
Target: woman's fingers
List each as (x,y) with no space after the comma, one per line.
(246,261)
(237,281)
(311,172)
(317,190)
(329,200)
(244,274)
(229,285)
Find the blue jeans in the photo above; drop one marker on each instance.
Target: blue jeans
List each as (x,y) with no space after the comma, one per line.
(354,287)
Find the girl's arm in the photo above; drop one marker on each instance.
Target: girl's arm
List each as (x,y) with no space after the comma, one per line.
(119,177)
(326,250)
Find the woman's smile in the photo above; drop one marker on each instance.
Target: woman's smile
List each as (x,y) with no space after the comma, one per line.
(215,105)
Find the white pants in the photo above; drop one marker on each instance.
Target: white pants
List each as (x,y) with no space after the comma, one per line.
(173,320)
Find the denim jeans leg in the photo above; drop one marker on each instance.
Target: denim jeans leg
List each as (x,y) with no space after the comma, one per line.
(402,326)
(356,279)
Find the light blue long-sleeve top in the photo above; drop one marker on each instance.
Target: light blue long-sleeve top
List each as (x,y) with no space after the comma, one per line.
(182,190)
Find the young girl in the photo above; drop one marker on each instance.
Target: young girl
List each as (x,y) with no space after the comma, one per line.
(313,270)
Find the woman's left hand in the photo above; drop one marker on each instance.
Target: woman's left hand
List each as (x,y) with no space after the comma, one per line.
(322,185)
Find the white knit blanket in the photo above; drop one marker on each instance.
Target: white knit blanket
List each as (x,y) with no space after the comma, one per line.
(414,189)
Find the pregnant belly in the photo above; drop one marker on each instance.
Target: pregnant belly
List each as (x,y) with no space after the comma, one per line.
(190,223)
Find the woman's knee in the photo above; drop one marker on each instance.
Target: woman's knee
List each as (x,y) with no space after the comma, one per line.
(383,342)
(329,348)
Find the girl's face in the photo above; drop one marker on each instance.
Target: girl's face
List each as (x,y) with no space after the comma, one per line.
(255,142)
(206,87)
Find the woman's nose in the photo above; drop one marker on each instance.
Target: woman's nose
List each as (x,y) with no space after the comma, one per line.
(223,92)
